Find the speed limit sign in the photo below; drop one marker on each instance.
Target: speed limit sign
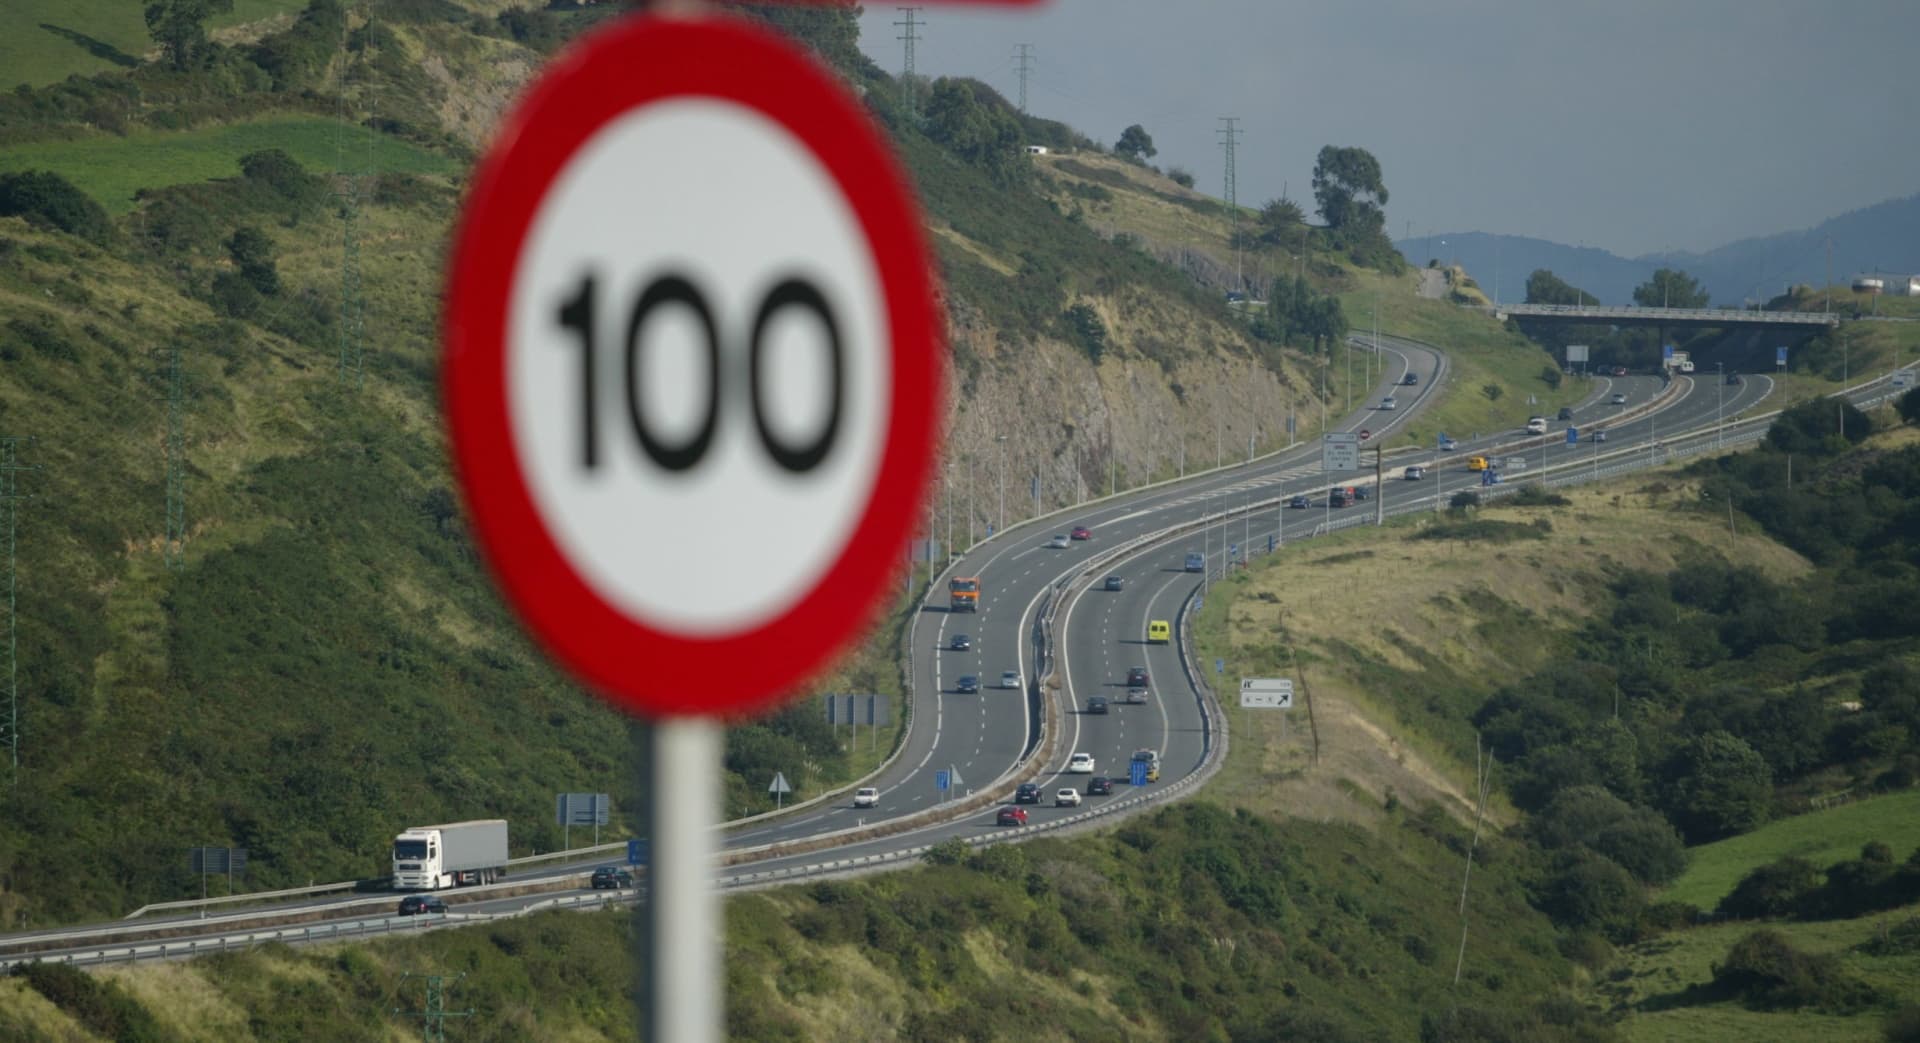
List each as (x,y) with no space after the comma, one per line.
(692,366)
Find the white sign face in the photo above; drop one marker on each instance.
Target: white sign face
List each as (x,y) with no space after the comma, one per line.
(1516,463)
(1266,693)
(658,372)
(1340,451)
(1576,353)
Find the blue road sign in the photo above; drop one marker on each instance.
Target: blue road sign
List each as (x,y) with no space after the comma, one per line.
(1573,435)
(1219,666)
(636,852)
(1137,773)
(942,781)
(1780,356)
(1666,352)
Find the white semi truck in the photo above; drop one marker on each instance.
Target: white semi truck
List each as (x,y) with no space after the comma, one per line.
(428,858)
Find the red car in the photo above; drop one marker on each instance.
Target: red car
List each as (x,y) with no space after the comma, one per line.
(1081,532)
(1011,817)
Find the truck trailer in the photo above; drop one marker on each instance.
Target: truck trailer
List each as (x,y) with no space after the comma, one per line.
(429,858)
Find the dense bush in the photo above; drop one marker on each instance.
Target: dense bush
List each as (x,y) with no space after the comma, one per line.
(1779,888)
(1765,971)
(100,1006)
(48,200)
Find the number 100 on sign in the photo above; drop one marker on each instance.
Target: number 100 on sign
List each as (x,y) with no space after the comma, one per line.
(714,410)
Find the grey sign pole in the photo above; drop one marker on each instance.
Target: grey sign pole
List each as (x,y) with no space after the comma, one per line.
(682,913)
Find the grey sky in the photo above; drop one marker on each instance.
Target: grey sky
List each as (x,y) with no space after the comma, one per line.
(1632,125)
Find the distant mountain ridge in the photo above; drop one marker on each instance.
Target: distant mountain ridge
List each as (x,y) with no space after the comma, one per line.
(1884,237)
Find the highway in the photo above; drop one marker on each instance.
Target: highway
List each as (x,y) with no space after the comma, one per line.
(986,739)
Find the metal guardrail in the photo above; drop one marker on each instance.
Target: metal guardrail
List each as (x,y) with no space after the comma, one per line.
(1729,316)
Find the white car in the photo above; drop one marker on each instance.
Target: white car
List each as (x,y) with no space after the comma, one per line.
(1009,678)
(1389,403)
(1066,798)
(1081,764)
(866,797)
(1619,398)
(1537,425)
(1059,541)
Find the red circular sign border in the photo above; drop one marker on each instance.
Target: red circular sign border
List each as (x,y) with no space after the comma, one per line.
(633,62)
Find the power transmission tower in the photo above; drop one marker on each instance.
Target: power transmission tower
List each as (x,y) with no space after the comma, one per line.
(1023,54)
(1229,137)
(908,38)
(353,306)
(10,496)
(433,1020)
(176,459)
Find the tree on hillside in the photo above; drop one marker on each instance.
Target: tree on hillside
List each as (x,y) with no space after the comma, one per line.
(1280,222)
(48,200)
(1347,184)
(1670,288)
(180,28)
(1544,287)
(1715,786)
(985,135)
(252,255)
(1135,144)
(1819,425)
(1909,406)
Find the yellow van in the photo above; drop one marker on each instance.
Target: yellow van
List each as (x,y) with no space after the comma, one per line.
(1476,463)
(1159,632)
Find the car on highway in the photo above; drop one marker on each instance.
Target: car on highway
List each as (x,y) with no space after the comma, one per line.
(1147,756)
(415,905)
(1389,403)
(1196,562)
(1115,583)
(1080,764)
(1476,463)
(1136,675)
(1096,704)
(866,797)
(1566,412)
(960,642)
(1340,497)
(1619,371)
(610,877)
(1414,473)
(1011,817)
(1009,678)
(1081,532)
(1410,379)
(1599,436)
(1059,541)
(1066,797)
(1448,445)
(1136,694)
(1619,398)
(1300,502)
(1733,378)
(1537,425)
(968,684)
(1361,492)
(1028,793)
(1099,786)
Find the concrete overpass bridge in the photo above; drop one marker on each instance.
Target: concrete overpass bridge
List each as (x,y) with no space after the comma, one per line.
(1670,318)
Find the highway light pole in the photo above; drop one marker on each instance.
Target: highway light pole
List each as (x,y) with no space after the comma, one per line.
(1720,406)
(1002,442)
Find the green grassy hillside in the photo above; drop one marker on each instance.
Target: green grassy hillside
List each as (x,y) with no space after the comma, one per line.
(42,41)
(1820,837)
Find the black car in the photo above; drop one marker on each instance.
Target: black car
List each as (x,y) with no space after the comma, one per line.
(414,905)
(611,876)
(1099,786)
(1115,583)
(1028,793)
(1733,378)
(1410,379)
(967,685)
(1566,412)
(960,643)
(1300,503)
(1097,704)
(1363,492)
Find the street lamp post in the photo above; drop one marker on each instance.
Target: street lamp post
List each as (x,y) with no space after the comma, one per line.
(1002,441)
(1720,405)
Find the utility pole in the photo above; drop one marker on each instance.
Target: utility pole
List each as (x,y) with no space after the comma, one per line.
(1023,53)
(433,1020)
(353,306)
(1827,308)
(1379,489)
(10,496)
(908,38)
(1002,442)
(176,464)
(1229,136)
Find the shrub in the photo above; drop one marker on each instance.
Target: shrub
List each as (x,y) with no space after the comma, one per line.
(1765,971)
(1778,888)
(1464,499)
(100,1006)
(48,200)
